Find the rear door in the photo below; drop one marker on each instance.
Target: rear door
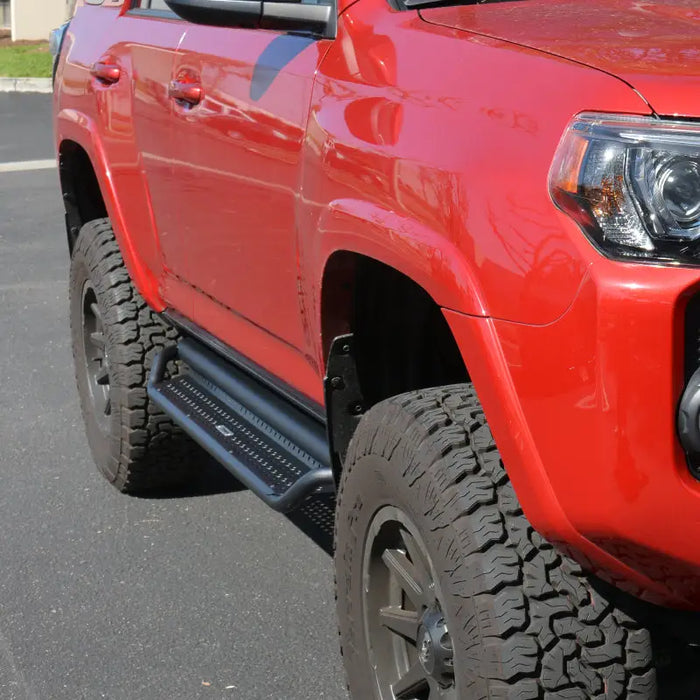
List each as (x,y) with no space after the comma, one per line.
(131,80)
(152,34)
(237,152)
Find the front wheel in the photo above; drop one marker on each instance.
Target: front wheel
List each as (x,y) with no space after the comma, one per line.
(444,589)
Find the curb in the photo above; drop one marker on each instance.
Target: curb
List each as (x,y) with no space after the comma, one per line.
(25,85)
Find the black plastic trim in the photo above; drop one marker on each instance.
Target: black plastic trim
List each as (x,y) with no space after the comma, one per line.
(290,16)
(218,13)
(190,328)
(153,14)
(298,16)
(344,399)
(689,423)
(688,419)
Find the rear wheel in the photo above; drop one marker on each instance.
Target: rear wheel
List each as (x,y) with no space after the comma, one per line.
(444,589)
(115,337)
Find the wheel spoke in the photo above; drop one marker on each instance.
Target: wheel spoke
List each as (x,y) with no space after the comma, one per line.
(405,623)
(435,692)
(410,683)
(98,339)
(399,565)
(422,570)
(96,311)
(102,377)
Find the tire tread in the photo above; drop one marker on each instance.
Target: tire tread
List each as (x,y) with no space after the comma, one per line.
(148,451)
(545,629)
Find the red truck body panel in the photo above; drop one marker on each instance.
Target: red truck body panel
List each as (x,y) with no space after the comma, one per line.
(650,45)
(424,141)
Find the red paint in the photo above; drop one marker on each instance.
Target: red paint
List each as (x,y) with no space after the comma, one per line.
(234,164)
(652,45)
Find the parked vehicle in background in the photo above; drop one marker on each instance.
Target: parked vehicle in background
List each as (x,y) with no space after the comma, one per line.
(440,259)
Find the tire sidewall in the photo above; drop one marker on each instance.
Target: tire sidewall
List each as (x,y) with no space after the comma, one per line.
(373,482)
(103,444)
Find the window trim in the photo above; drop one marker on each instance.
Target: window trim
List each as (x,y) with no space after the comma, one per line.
(172,16)
(148,12)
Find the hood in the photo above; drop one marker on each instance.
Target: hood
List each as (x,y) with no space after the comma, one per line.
(653,46)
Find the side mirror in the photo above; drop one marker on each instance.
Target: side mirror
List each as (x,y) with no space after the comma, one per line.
(280,15)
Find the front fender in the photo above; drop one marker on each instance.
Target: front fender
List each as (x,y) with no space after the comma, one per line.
(408,246)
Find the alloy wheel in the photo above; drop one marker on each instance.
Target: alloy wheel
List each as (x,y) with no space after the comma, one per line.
(96,357)
(407,636)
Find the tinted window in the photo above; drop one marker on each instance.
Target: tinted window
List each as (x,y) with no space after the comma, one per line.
(151,5)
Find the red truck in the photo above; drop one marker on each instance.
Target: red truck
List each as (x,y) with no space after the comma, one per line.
(440,259)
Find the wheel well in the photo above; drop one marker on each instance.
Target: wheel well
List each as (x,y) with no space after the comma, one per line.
(82,197)
(402,341)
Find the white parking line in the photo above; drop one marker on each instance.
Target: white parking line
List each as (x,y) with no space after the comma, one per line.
(24,165)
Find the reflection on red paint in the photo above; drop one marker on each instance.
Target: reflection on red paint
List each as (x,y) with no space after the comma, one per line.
(375,120)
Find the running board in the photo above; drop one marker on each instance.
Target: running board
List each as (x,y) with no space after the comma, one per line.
(278,451)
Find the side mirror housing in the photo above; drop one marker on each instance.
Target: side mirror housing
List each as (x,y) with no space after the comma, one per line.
(279,15)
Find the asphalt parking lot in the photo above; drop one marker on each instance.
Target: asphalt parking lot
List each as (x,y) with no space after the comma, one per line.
(207,594)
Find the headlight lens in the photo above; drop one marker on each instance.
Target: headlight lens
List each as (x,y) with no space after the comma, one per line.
(633,185)
(679,188)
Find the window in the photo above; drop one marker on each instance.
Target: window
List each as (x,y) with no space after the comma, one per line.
(151,5)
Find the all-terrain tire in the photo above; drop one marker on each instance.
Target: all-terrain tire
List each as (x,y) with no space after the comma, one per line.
(525,620)
(135,446)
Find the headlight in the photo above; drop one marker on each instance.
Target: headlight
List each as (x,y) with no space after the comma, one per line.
(633,185)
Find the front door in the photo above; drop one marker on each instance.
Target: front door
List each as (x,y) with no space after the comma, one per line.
(241,99)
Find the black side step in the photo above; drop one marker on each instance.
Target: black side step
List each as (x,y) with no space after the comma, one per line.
(278,451)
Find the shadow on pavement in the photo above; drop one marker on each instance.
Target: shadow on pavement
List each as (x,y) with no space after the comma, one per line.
(212,479)
(315,518)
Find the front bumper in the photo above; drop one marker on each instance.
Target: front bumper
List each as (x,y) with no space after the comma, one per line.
(588,404)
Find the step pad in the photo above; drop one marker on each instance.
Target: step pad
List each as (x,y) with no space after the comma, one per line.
(207,401)
(276,460)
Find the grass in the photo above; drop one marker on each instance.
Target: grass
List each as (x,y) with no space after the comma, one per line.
(25,60)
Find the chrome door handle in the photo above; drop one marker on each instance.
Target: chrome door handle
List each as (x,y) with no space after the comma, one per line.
(106,72)
(191,93)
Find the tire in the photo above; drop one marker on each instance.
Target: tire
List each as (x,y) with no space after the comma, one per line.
(515,618)
(115,337)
